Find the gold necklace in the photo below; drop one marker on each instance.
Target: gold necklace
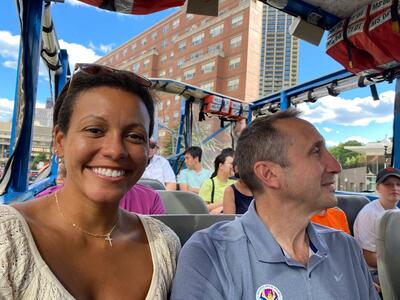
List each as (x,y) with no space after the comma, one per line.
(106,236)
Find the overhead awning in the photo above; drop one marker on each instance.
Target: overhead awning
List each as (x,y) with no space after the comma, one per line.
(135,7)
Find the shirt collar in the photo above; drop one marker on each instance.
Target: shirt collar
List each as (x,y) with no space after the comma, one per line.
(265,246)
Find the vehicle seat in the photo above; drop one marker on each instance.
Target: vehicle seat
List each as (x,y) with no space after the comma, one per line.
(351,205)
(185,225)
(388,249)
(183,202)
(152,183)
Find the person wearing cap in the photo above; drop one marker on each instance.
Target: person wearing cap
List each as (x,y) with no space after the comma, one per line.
(159,168)
(388,188)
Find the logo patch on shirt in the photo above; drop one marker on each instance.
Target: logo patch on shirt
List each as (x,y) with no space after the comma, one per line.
(268,292)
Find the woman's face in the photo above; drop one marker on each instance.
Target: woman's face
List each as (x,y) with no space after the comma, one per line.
(227,166)
(106,146)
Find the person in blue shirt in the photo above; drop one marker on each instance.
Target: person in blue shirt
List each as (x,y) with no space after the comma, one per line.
(273,251)
(192,178)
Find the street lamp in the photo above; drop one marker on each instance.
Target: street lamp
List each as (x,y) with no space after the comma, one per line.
(385,147)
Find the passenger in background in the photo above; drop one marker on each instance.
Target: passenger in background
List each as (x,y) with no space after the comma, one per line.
(159,168)
(212,190)
(273,250)
(192,178)
(388,188)
(237,196)
(332,217)
(139,199)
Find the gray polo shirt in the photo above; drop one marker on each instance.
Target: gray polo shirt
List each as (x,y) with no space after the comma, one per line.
(241,260)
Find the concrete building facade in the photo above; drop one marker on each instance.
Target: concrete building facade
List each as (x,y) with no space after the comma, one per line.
(221,54)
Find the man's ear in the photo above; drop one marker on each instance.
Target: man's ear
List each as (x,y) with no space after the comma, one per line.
(268,173)
(58,141)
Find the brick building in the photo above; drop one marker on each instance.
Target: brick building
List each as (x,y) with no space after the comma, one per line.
(225,54)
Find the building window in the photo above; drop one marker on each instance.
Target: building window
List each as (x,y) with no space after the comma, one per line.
(236,41)
(166,119)
(133,47)
(154,35)
(182,46)
(208,67)
(196,55)
(168,103)
(146,63)
(189,74)
(198,39)
(214,48)
(178,78)
(177,98)
(143,41)
(189,16)
(234,63)
(165,28)
(163,59)
(217,30)
(180,62)
(237,21)
(162,73)
(208,86)
(125,51)
(164,44)
(175,23)
(171,55)
(233,84)
(176,115)
(135,67)
(160,105)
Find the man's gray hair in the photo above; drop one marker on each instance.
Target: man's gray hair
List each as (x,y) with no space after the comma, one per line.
(262,141)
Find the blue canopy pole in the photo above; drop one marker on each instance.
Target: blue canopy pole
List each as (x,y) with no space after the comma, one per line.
(396,127)
(31,39)
(284,101)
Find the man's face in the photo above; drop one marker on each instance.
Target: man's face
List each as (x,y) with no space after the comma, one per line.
(190,161)
(152,149)
(310,176)
(389,190)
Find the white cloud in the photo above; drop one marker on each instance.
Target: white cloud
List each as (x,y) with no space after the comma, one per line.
(330,143)
(103,48)
(78,53)
(351,112)
(9,48)
(327,129)
(7,107)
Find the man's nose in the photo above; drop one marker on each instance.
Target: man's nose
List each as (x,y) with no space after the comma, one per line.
(332,165)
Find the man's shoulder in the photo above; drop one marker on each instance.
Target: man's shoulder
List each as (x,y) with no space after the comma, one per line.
(333,237)
(370,209)
(205,172)
(221,232)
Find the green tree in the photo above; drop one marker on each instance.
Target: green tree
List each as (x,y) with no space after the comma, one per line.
(348,158)
(38,158)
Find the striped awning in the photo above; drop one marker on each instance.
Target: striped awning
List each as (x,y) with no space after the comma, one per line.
(135,7)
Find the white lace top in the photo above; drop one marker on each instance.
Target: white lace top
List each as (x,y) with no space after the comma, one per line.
(25,275)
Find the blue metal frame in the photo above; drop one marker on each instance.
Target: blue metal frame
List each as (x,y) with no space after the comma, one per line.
(303,9)
(396,126)
(298,89)
(31,39)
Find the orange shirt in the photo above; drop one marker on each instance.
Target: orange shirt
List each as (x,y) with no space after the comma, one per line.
(334,218)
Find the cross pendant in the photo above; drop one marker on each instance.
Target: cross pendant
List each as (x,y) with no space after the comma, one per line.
(108,239)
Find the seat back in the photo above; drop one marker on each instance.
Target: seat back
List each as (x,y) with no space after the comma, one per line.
(351,205)
(152,183)
(185,225)
(183,202)
(388,249)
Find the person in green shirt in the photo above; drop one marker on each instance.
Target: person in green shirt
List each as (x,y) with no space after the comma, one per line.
(212,190)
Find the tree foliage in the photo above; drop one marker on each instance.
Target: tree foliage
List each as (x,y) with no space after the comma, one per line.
(348,158)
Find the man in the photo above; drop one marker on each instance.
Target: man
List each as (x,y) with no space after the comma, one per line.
(192,178)
(388,188)
(273,251)
(159,168)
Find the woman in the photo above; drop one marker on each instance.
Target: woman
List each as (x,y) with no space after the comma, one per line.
(237,196)
(77,243)
(212,190)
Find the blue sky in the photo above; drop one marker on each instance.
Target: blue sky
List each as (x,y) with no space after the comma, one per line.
(88,33)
